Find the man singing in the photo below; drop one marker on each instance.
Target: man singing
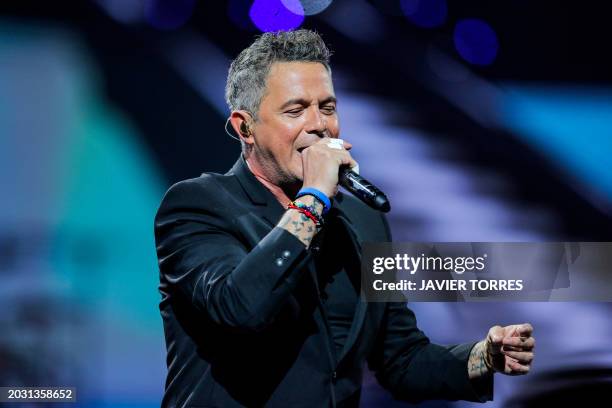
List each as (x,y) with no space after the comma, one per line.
(260,267)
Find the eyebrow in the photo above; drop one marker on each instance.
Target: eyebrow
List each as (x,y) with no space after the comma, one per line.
(304,102)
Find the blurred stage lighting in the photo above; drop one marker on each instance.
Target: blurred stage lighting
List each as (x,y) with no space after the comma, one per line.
(358,20)
(306,7)
(444,67)
(476,41)
(168,14)
(426,14)
(272,15)
(238,13)
(124,11)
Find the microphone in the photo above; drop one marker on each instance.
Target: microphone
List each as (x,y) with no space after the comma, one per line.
(364,190)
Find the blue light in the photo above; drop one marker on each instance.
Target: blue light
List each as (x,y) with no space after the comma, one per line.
(476,41)
(168,14)
(238,12)
(425,13)
(272,15)
(570,125)
(306,7)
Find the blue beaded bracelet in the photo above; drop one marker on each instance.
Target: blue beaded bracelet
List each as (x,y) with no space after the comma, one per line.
(319,195)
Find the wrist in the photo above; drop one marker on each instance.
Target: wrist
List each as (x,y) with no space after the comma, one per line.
(477,361)
(320,187)
(311,201)
(319,196)
(308,212)
(486,356)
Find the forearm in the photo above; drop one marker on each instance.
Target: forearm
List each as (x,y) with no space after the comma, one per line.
(435,372)
(264,290)
(201,259)
(477,364)
(298,224)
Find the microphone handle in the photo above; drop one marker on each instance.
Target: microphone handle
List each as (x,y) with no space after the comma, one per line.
(364,190)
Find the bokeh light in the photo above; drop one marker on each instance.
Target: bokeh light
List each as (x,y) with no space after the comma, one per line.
(238,13)
(168,14)
(306,7)
(445,67)
(426,14)
(124,11)
(476,41)
(272,15)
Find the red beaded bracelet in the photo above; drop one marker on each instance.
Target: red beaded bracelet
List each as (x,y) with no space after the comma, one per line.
(308,212)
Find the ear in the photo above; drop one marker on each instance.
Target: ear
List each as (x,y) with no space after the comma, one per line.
(242,124)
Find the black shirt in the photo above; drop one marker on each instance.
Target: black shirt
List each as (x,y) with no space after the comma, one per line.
(339,278)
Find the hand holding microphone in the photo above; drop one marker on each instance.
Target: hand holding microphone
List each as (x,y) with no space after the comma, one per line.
(328,163)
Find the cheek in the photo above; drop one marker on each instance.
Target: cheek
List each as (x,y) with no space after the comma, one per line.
(292,158)
(297,167)
(296,161)
(333,126)
(280,141)
(290,132)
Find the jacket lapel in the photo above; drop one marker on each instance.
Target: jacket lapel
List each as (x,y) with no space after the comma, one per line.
(264,202)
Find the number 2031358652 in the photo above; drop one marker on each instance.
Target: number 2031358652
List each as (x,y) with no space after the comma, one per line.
(35,394)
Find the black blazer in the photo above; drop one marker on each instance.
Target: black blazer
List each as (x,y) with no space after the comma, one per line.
(243,317)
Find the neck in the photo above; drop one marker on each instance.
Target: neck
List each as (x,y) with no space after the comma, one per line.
(281,192)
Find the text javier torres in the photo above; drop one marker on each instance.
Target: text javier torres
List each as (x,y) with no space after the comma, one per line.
(456,266)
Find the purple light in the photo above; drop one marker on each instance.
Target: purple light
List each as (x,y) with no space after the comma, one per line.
(476,41)
(168,14)
(272,15)
(425,13)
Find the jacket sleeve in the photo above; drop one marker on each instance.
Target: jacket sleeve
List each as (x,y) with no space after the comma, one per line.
(413,369)
(202,260)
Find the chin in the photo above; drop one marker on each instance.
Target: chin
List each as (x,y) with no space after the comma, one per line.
(297,179)
(290,176)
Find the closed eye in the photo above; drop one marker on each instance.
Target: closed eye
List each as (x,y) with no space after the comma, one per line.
(295,112)
(328,110)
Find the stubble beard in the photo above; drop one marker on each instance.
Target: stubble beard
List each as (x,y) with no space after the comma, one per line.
(290,183)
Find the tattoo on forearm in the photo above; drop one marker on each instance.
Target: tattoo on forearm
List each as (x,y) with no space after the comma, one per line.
(477,366)
(299,224)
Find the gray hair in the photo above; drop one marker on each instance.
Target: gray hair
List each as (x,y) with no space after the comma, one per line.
(246,79)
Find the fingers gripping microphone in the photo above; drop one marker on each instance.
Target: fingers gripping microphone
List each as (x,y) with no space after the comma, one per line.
(364,190)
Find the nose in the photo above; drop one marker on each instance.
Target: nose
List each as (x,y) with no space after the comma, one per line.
(315,122)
